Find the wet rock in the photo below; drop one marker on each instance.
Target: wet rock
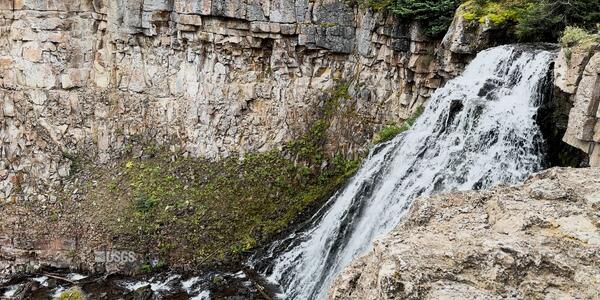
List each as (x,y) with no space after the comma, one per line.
(143,293)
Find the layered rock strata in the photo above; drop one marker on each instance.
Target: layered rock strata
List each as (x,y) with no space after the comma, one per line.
(210,78)
(536,241)
(577,73)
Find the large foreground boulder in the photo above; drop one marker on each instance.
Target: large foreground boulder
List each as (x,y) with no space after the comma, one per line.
(540,240)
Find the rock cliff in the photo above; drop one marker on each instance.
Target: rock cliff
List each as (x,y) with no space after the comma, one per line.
(94,80)
(536,241)
(210,78)
(577,73)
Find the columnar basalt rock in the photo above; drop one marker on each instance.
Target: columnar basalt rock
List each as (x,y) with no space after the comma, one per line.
(213,78)
(577,73)
(536,241)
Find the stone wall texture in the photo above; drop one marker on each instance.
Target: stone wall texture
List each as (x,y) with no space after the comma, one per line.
(209,78)
(577,73)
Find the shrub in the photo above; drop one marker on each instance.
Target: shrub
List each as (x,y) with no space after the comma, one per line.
(573,36)
(392,130)
(435,15)
(535,20)
(387,133)
(495,12)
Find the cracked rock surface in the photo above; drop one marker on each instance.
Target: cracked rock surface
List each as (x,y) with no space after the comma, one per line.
(540,240)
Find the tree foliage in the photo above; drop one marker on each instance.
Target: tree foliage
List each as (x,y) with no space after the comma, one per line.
(530,20)
(536,20)
(435,15)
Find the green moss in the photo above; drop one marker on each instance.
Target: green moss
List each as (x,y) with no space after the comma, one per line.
(387,133)
(392,130)
(145,268)
(72,294)
(186,210)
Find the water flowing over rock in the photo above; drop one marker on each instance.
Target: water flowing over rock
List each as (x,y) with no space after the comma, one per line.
(209,77)
(477,131)
(535,241)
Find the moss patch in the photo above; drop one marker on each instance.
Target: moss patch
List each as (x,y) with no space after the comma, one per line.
(72,294)
(187,211)
(390,131)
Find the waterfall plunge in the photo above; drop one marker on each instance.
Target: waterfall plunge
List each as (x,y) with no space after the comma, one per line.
(477,131)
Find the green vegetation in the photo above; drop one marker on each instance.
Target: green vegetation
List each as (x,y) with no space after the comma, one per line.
(535,20)
(329,24)
(387,133)
(575,36)
(529,20)
(76,162)
(436,15)
(185,210)
(392,130)
(71,294)
(498,13)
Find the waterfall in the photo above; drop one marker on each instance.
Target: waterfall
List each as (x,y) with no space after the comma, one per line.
(477,131)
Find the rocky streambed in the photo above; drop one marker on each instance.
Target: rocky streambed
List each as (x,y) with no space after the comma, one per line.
(62,284)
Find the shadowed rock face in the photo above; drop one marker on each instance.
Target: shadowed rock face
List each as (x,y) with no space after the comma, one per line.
(539,240)
(209,77)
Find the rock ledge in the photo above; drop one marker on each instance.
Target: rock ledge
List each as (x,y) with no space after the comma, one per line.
(539,240)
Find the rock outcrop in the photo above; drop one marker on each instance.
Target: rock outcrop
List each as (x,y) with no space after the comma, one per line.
(209,77)
(536,241)
(577,73)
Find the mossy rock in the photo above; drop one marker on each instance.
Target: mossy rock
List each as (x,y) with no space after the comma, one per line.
(194,211)
(74,293)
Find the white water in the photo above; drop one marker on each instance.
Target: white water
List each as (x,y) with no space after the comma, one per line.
(477,131)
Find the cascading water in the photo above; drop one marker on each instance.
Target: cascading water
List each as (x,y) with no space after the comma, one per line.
(477,131)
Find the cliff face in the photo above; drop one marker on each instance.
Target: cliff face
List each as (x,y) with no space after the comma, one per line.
(211,78)
(577,73)
(92,80)
(536,241)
